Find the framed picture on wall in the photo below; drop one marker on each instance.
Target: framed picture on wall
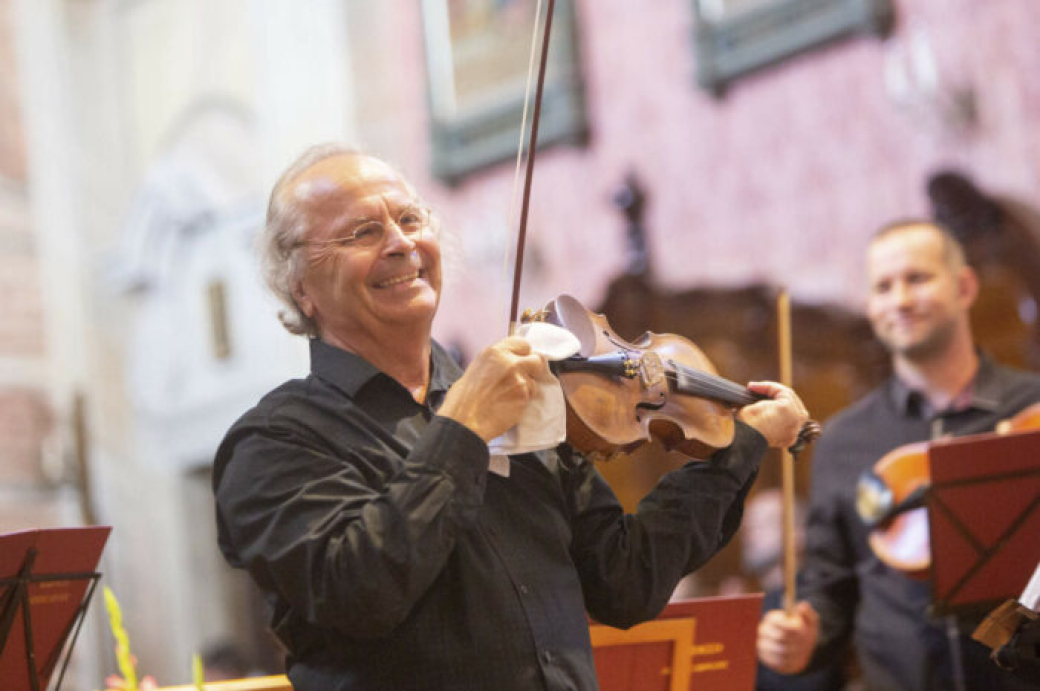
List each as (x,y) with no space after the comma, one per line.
(477,56)
(735,37)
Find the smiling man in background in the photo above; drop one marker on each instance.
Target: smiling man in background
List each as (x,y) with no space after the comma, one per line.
(920,293)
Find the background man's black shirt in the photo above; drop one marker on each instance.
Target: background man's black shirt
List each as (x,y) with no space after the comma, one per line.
(900,647)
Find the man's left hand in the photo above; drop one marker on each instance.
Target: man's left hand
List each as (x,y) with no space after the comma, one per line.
(779,418)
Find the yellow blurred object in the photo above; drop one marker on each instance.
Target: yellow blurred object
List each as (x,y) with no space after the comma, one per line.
(274,683)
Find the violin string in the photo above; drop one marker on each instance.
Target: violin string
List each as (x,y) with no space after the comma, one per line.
(718,394)
(711,385)
(713,381)
(709,389)
(707,379)
(514,197)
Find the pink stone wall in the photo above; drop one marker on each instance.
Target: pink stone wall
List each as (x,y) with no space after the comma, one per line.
(25,415)
(12,145)
(781,181)
(21,329)
(24,422)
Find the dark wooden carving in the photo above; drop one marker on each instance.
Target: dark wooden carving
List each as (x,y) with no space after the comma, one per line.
(1002,240)
(630,199)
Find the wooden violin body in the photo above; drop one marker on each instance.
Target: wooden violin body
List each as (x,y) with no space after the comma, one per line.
(621,394)
(892,500)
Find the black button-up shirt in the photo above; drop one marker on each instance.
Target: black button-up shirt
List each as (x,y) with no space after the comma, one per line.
(899,646)
(392,559)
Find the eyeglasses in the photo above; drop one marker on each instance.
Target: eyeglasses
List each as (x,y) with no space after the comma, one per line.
(413,221)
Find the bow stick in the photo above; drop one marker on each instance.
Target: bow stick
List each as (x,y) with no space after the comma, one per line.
(783,319)
(531,148)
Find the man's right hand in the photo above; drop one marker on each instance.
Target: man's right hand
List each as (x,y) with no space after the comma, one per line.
(786,642)
(493,392)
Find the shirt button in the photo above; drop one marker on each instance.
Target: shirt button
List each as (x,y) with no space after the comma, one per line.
(523,589)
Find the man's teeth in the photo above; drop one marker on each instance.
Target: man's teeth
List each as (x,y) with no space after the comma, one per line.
(400,279)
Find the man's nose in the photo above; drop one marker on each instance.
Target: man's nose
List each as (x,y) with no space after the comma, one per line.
(901,294)
(397,241)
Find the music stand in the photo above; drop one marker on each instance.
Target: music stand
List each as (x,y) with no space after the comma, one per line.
(984,518)
(702,643)
(47,578)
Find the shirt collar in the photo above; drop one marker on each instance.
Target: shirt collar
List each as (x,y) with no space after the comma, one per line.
(444,372)
(982,392)
(349,372)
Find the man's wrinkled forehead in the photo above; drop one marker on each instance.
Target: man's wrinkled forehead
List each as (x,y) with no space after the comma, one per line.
(342,173)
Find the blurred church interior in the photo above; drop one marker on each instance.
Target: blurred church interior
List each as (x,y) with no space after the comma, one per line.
(684,178)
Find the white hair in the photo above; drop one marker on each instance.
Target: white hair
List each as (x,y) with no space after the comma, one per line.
(282,265)
(286,228)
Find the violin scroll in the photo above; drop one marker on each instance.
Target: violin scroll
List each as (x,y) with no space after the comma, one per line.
(809,433)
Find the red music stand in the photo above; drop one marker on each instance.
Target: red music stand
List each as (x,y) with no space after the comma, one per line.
(984,518)
(694,645)
(47,578)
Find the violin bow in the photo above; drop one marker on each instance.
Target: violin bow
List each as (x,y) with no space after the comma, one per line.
(783,320)
(532,146)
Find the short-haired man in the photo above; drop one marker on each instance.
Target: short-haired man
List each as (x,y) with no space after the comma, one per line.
(920,293)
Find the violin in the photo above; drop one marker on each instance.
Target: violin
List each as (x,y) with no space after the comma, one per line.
(621,394)
(891,499)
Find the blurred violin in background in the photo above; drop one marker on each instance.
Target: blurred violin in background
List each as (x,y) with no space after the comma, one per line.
(891,499)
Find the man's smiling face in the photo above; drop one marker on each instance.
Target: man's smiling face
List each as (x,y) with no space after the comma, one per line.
(919,297)
(357,293)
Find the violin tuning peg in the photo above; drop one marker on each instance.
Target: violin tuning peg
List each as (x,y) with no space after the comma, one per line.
(532,315)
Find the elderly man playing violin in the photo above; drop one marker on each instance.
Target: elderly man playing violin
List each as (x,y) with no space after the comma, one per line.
(360,499)
(920,292)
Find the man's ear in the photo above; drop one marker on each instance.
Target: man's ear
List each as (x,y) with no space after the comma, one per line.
(302,300)
(968,285)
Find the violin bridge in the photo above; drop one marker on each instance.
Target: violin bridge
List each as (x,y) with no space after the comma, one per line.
(651,369)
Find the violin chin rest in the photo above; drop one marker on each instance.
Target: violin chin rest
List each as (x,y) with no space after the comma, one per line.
(576,318)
